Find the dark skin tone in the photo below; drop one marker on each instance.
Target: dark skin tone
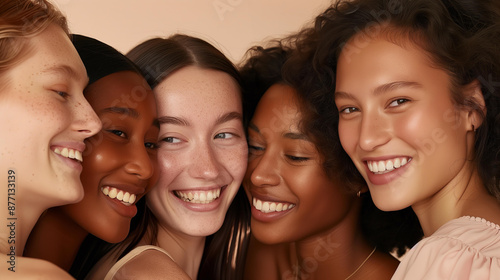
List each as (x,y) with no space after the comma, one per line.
(285,168)
(121,158)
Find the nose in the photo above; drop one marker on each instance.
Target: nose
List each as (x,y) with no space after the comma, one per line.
(139,163)
(85,119)
(374,132)
(264,170)
(204,163)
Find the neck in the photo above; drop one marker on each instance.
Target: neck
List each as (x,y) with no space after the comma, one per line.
(56,238)
(185,250)
(465,195)
(341,249)
(19,217)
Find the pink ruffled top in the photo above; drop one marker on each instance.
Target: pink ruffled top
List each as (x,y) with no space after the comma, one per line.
(463,248)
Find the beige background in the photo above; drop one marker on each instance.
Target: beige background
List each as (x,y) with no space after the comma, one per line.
(232,25)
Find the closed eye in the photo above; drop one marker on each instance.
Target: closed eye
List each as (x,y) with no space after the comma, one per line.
(297,159)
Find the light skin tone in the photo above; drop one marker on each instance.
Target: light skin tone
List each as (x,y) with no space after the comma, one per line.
(44,116)
(121,158)
(202,155)
(287,186)
(401,119)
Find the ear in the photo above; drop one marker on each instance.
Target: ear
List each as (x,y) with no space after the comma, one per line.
(475,105)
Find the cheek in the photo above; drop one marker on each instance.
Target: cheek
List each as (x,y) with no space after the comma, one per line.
(235,160)
(100,159)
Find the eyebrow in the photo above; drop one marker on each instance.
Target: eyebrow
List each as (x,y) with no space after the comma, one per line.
(63,69)
(122,111)
(382,88)
(289,135)
(183,122)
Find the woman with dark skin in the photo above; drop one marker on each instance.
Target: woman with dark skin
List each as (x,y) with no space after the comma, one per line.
(119,161)
(44,119)
(414,85)
(292,179)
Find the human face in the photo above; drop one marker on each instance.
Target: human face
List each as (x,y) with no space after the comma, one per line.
(120,161)
(202,152)
(44,120)
(285,180)
(399,125)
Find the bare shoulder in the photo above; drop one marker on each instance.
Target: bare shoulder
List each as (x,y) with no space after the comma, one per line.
(151,264)
(29,268)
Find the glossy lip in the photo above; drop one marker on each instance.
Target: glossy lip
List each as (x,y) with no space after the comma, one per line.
(79,146)
(386,178)
(124,210)
(201,207)
(268,217)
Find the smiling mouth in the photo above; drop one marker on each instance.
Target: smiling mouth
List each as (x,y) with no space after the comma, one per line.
(385,166)
(271,206)
(69,153)
(124,197)
(202,197)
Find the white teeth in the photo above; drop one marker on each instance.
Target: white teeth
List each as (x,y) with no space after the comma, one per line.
(69,153)
(198,196)
(269,206)
(385,166)
(123,196)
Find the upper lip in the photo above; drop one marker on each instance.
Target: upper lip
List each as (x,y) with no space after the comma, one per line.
(79,146)
(207,188)
(380,158)
(268,198)
(136,189)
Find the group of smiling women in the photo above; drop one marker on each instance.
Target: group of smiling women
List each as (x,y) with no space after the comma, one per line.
(364,146)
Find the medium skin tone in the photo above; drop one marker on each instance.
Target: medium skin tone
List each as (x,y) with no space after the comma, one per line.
(43,92)
(121,158)
(202,155)
(401,119)
(287,186)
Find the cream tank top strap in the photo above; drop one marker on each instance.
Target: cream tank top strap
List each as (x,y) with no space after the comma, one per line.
(136,251)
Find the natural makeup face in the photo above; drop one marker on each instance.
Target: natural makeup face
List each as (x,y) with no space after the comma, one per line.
(120,161)
(202,152)
(399,125)
(291,196)
(44,119)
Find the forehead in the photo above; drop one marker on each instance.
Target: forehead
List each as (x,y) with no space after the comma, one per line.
(278,107)
(52,49)
(120,89)
(195,91)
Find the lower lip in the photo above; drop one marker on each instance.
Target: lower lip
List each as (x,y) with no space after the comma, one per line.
(386,178)
(120,208)
(201,207)
(268,217)
(71,162)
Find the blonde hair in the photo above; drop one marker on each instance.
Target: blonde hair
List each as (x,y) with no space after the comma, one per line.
(21,20)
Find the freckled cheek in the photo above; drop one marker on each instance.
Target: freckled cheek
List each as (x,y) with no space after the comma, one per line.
(236,160)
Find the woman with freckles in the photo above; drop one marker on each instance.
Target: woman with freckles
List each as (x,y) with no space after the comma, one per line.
(44,119)
(306,222)
(188,229)
(419,103)
(118,163)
